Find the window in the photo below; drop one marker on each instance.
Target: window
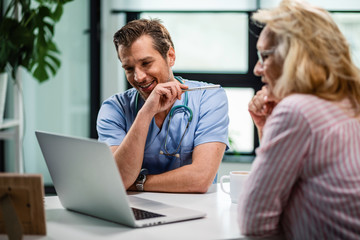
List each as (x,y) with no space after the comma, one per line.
(216,43)
(241,132)
(207,42)
(215,47)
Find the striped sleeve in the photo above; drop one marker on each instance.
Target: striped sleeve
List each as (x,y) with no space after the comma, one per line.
(274,172)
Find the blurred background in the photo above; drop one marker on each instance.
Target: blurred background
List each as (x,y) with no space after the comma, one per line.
(214,42)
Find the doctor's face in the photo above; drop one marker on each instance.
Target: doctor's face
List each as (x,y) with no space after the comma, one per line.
(267,67)
(144,66)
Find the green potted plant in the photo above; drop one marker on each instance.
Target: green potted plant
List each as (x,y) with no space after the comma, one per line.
(26,38)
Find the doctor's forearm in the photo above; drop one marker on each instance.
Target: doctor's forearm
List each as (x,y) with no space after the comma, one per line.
(129,154)
(178,180)
(196,177)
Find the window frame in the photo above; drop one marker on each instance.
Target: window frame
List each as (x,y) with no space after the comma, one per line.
(235,80)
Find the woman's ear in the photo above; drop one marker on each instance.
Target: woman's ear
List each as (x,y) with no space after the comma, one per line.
(171,56)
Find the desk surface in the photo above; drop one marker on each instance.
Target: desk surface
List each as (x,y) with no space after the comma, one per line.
(220,222)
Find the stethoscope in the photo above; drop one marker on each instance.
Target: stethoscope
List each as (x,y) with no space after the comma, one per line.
(171,114)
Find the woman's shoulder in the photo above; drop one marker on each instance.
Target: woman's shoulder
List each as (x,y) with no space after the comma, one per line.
(301,98)
(303,102)
(309,107)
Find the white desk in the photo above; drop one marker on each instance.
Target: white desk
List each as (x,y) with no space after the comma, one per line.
(220,222)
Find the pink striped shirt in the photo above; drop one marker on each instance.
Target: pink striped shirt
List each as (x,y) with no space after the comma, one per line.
(305,180)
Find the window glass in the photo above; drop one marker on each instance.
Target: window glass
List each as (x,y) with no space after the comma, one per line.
(207,42)
(349,24)
(241,128)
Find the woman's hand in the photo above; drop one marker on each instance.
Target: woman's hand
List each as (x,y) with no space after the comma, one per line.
(260,107)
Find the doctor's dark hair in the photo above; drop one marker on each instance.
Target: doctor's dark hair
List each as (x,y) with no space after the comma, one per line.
(129,33)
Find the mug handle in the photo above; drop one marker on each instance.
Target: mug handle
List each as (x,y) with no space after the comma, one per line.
(221,183)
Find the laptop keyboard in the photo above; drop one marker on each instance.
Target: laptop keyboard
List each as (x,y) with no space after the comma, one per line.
(142,214)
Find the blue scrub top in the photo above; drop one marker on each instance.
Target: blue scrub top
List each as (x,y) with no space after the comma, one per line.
(209,124)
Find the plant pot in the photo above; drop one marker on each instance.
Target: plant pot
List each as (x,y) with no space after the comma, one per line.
(3,87)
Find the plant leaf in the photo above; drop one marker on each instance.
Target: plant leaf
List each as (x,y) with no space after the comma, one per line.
(55,60)
(52,68)
(57,13)
(28,42)
(40,73)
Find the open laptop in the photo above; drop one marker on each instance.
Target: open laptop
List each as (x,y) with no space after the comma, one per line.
(87,180)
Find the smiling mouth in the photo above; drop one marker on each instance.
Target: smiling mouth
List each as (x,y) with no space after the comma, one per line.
(146,86)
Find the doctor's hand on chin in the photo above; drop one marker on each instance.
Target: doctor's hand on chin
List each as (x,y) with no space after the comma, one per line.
(163,96)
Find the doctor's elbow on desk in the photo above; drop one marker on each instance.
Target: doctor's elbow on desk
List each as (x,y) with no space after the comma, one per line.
(199,185)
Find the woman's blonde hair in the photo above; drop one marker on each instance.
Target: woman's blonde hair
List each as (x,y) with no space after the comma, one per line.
(315,54)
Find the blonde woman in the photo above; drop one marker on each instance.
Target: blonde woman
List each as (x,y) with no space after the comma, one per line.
(305,180)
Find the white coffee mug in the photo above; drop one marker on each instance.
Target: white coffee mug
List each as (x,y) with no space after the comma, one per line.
(237,179)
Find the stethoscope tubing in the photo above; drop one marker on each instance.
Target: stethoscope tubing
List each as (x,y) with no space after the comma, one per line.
(171,114)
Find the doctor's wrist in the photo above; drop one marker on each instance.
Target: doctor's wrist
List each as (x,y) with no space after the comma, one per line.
(146,114)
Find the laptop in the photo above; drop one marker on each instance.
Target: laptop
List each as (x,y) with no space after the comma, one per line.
(87,180)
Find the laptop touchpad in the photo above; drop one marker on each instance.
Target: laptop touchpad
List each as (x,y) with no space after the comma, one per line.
(146,203)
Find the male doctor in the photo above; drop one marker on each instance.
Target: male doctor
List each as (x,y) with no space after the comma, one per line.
(163,138)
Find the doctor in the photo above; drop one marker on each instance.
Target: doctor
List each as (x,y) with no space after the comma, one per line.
(163,139)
